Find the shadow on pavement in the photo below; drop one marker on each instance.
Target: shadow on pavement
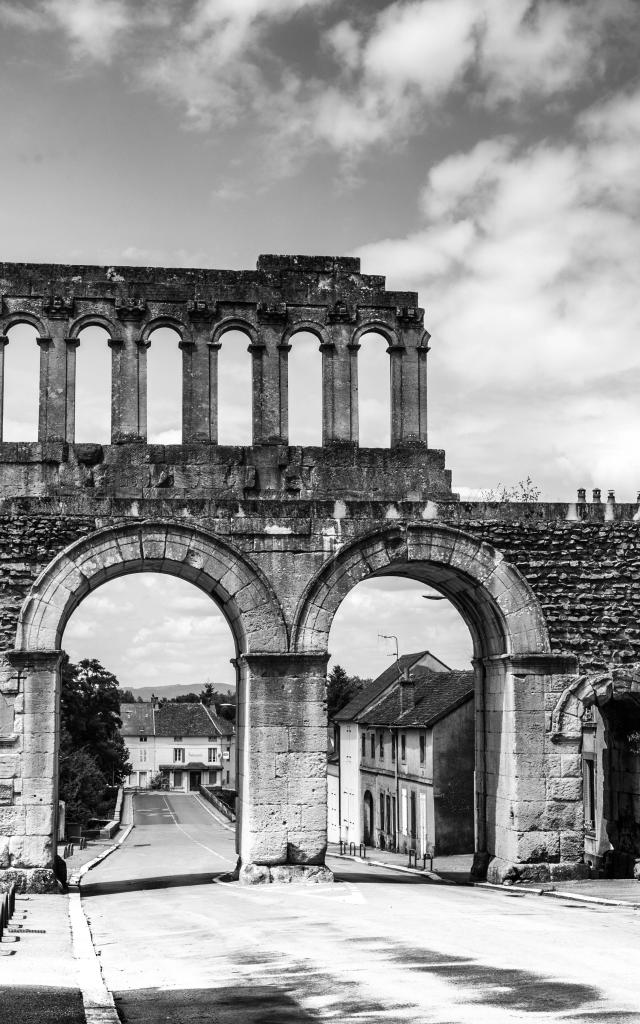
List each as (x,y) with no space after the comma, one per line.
(118,885)
(375,875)
(237,1004)
(41,1005)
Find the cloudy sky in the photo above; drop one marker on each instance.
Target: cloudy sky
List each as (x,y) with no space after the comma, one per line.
(483,152)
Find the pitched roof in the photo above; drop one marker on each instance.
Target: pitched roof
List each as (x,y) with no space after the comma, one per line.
(375,689)
(136,718)
(436,694)
(171,719)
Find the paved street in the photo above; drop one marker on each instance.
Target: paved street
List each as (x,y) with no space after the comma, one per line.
(375,947)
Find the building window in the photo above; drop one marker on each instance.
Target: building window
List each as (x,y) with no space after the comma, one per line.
(373,745)
(403,811)
(142,754)
(177,739)
(393,746)
(227,777)
(143,739)
(422,749)
(382,812)
(212,739)
(403,747)
(364,745)
(212,754)
(177,779)
(381,746)
(178,755)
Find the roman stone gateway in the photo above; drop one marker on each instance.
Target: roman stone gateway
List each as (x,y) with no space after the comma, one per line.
(277,535)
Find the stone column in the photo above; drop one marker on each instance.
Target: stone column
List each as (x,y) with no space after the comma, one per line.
(29,822)
(57,399)
(270,364)
(199,388)
(339,385)
(409,387)
(129,385)
(532,789)
(4,341)
(70,432)
(282,751)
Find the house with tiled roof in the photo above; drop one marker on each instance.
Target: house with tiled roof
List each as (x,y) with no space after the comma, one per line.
(187,744)
(406,760)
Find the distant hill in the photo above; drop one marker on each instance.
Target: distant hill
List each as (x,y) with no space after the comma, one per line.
(145,692)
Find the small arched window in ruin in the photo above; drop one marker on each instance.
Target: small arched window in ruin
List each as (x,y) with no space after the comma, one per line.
(374,391)
(164,387)
(305,389)
(21,384)
(93,386)
(234,389)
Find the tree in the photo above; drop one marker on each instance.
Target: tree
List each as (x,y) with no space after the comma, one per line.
(340,689)
(92,751)
(127,697)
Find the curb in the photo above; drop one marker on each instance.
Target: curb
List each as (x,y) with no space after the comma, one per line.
(99,1006)
(558,894)
(76,878)
(431,875)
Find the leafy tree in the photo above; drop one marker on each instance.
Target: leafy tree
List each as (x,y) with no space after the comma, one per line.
(92,751)
(185,698)
(126,697)
(340,689)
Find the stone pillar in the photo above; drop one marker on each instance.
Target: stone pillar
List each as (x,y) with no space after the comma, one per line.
(57,385)
(129,386)
(199,388)
(339,385)
(532,788)
(4,341)
(282,766)
(270,365)
(409,388)
(28,821)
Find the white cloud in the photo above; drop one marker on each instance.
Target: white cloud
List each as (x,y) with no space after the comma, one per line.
(536,285)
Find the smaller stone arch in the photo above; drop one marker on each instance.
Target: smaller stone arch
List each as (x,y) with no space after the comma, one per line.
(588,690)
(157,322)
(234,323)
(96,320)
(375,327)
(308,326)
(23,317)
(498,605)
(215,566)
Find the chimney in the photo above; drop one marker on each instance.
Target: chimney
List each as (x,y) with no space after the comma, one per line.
(407,692)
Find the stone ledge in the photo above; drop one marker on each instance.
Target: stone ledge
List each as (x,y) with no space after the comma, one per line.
(284,874)
(31,880)
(504,872)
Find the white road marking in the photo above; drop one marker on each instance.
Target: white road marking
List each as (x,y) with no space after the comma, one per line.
(196,841)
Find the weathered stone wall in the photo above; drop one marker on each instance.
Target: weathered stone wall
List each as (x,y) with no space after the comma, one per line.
(278,535)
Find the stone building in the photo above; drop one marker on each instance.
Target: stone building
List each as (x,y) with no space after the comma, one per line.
(277,535)
(186,744)
(407,759)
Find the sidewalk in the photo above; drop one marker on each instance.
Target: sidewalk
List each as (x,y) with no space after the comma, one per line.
(453,869)
(39,982)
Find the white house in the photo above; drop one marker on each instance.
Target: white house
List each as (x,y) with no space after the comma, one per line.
(406,759)
(187,744)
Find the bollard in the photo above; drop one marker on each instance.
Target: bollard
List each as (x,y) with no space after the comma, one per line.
(362,852)
(12,899)
(412,855)
(352,849)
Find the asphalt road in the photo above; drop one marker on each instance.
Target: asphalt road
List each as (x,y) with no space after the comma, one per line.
(377,946)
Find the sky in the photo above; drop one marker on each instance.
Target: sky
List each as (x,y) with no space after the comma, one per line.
(485,153)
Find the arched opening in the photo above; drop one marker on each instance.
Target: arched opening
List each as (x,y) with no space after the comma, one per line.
(374,391)
(405,734)
(171,650)
(368,820)
(234,389)
(513,685)
(610,744)
(93,386)
(305,389)
(164,387)
(21,384)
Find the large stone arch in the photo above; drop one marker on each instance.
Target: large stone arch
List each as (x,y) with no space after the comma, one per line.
(528,817)
(228,576)
(502,612)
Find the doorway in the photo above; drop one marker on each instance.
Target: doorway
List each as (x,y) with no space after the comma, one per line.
(194,781)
